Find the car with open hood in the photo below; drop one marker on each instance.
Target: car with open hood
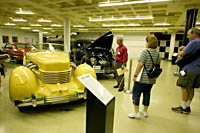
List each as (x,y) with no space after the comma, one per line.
(100,54)
(78,49)
(47,77)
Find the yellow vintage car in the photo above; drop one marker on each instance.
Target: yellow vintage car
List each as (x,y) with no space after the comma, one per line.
(47,77)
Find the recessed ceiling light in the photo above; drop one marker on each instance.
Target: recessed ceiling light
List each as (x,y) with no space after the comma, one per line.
(140,29)
(25,28)
(9,24)
(36,25)
(78,26)
(74,33)
(118,25)
(118,19)
(35,30)
(18,20)
(83,29)
(44,20)
(161,24)
(129,2)
(47,28)
(56,25)
(24,12)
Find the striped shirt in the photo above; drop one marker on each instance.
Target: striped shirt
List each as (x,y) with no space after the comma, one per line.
(146,59)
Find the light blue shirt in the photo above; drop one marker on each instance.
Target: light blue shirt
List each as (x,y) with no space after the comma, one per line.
(191,48)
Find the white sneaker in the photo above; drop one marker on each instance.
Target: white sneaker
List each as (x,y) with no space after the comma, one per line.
(134,115)
(145,114)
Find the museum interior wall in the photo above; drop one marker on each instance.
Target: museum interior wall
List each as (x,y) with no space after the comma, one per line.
(135,41)
(13,35)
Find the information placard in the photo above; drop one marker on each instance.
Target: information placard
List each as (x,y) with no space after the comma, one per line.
(96,88)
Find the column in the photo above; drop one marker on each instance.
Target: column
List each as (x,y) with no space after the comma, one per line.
(190,23)
(66,35)
(40,37)
(172,45)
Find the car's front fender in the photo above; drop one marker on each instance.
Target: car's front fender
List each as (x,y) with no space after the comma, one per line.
(22,83)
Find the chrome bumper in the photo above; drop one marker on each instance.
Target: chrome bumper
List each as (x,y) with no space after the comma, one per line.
(49,100)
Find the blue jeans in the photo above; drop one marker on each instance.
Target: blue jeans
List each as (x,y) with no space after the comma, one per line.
(138,89)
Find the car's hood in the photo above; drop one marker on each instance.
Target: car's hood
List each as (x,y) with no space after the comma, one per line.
(24,49)
(104,41)
(51,61)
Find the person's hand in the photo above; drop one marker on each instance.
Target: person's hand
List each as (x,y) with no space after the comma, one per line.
(134,79)
(114,64)
(122,66)
(181,48)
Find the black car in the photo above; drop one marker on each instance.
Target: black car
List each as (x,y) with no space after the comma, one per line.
(100,54)
(78,50)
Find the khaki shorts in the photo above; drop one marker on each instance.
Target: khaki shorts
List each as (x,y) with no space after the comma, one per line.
(189,81)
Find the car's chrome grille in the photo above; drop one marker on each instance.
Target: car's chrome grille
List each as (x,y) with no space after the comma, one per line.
(55,77)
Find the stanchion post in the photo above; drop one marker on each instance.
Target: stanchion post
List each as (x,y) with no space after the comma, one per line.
(128,91)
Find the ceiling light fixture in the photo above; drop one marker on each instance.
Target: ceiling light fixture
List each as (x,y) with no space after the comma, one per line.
(118,19)
(47,28)
(56,25)
(74,33)
(115,25)
(78,26)
(35,30)
(161,24)
(9,24)
(140,29)
(19,20)
(25,28)
(129,2)
(44,20)
(83,29)
(36,25)
(24,12)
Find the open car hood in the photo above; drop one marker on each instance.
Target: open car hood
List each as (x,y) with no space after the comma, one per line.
(104,41)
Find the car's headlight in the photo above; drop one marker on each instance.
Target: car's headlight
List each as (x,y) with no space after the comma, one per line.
(102,62)
(93,61)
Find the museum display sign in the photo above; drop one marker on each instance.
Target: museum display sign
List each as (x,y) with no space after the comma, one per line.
(100,106)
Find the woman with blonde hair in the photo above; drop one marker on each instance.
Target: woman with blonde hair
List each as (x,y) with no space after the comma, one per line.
(144,84)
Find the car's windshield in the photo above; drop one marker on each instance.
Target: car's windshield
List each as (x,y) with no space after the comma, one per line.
(23,45)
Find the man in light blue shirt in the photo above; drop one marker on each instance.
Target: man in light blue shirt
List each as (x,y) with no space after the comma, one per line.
(190,74)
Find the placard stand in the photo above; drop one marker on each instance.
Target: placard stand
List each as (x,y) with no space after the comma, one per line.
(99,117)
(100,106)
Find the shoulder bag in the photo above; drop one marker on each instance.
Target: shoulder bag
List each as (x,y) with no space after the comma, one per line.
(155,70)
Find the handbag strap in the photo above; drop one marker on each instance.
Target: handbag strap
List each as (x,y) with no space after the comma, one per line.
(151,59)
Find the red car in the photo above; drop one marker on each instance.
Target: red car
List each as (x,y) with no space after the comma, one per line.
(17,50)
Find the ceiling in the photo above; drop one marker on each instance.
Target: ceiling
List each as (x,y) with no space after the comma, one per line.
(79,11)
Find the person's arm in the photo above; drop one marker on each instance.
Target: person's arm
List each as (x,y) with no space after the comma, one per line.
(125,58)
(141,61)
(138,69)
(181,52)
